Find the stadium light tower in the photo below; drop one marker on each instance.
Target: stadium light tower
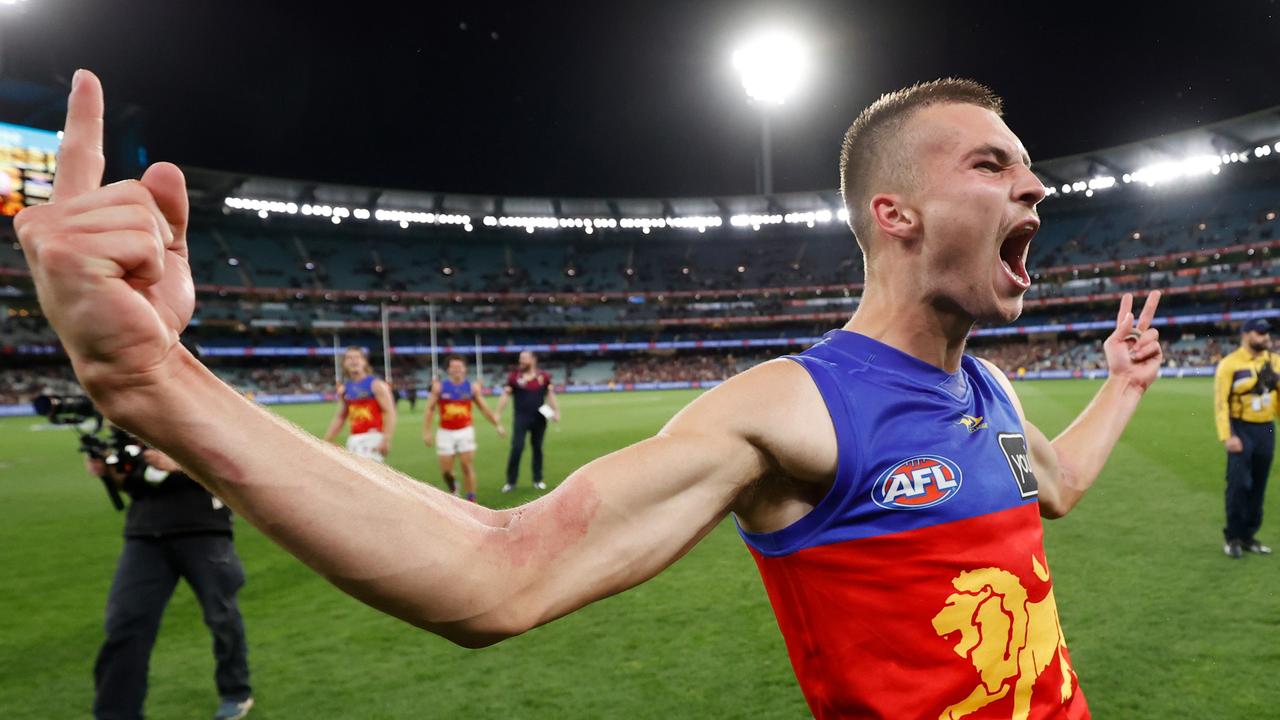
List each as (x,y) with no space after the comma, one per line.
(773,65)
(8,8)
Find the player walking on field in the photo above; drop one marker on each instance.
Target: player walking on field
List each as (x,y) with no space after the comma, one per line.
(457,435)
(887,484)
(367,402)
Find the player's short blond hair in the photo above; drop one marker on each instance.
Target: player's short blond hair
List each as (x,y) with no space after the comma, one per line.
(872,157)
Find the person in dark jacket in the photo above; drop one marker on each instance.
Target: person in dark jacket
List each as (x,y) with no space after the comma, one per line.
(535,403)
(173,529)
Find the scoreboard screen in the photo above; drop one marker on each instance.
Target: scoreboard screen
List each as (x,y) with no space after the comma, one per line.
(28,159)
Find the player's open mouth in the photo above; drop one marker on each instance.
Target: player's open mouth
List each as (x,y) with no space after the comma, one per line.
(1013,252)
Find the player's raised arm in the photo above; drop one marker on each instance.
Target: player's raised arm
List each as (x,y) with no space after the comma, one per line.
(1066,467)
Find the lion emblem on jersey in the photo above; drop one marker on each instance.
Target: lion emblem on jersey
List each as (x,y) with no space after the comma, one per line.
(359,414)
(454,411)
(1009,640)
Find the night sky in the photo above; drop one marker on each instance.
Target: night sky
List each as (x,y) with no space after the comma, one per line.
(621,98)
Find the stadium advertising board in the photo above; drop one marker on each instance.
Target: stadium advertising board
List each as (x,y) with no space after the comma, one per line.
(28,159)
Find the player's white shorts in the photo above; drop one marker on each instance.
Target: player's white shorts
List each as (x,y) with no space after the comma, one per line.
(452,442)
(366,445)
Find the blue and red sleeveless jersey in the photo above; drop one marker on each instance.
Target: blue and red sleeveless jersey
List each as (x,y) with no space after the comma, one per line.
(918,586)
(455,404)
(363,409)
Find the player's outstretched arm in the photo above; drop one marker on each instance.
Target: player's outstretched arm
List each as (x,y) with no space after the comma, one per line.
(472,575)
(1066,467)
(110,270)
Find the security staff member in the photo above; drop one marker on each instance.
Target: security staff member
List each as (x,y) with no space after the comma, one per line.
(1244,404)
(174,529)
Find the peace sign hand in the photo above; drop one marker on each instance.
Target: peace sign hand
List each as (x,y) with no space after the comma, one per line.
(1133,350)
(110,263)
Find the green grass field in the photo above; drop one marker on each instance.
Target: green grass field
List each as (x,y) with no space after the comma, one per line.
(1160,624)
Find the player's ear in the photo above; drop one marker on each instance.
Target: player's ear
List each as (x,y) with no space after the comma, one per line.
(894,217)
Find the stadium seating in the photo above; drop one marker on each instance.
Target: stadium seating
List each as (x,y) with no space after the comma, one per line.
(275,283)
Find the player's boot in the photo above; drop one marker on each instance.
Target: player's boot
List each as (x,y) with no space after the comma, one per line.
(539,485)
(508,487)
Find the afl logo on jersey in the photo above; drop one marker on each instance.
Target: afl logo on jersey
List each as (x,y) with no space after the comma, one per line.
(921,482)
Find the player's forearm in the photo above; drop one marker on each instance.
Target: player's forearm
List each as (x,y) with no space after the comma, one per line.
(1083,448)
(416,553)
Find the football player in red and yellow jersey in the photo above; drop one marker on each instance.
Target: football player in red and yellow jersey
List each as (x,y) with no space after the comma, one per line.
(457,435)
(889,486)
(366,401)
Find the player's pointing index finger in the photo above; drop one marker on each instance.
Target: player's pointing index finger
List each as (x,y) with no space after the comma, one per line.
(80,159)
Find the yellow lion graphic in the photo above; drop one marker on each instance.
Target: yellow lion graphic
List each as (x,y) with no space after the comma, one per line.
(1009,641)
(455,412)
(359,413)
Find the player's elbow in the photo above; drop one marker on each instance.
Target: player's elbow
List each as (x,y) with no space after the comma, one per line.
(1053,509)
(1058,498)
(484,630)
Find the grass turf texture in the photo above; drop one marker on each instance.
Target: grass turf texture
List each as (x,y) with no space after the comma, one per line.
(1160,624)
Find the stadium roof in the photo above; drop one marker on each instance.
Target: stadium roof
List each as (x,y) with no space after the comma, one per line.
(1199,151)
(1236,135)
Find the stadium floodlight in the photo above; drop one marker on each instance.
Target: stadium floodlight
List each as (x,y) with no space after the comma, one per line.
(1190,167)
(754,221)
(773,64)
(809,218)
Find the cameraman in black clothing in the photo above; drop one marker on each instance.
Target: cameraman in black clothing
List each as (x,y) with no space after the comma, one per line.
(174,529)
